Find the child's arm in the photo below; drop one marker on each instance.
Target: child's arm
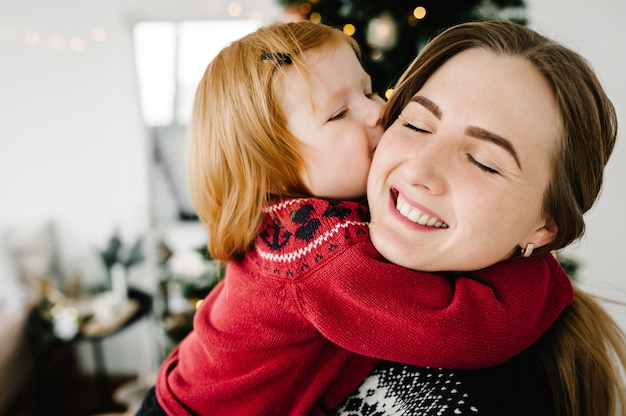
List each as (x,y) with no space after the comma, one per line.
(374,308)
(363,303)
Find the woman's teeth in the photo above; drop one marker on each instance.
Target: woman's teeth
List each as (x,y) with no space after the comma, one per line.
(416,215)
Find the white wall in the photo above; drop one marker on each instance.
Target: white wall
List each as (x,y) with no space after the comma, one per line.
(73,147)
(72,143)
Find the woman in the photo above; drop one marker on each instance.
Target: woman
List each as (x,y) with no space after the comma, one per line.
(502,133)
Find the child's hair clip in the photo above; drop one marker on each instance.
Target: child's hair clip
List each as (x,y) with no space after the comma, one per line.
(283,58)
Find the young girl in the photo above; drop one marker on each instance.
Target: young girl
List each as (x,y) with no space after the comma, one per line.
(282,135)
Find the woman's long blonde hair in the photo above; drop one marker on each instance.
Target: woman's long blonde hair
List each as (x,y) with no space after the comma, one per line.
(584,353)
(240,153)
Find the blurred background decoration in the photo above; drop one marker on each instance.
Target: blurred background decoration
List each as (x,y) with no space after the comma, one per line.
(185,278)
(392,31)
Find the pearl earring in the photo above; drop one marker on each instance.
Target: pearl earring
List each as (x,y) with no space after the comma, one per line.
(529,250)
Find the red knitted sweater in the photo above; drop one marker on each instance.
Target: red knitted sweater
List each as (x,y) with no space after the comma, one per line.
(291,328)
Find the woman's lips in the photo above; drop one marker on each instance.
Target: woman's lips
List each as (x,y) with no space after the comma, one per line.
(415,214)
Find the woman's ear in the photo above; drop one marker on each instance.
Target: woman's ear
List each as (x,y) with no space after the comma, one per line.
(542,236)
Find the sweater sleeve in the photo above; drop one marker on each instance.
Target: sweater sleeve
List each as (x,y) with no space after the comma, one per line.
(369,306)
(363,303)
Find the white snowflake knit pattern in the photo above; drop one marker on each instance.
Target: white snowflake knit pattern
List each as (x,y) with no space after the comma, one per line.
(402,391)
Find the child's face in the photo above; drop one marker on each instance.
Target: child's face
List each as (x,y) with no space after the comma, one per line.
(340,127)
(459,178)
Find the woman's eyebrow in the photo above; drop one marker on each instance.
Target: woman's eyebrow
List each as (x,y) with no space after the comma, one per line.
(475,132)
(429,105)
(488,136)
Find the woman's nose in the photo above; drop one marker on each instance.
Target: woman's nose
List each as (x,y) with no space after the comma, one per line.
(425,167)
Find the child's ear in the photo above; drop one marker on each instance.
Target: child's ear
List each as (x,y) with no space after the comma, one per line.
(543,235)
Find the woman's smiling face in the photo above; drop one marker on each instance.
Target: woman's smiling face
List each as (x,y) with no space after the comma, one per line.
(457,181)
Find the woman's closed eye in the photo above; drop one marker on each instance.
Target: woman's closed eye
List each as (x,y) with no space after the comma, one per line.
(481,166)
(415,128)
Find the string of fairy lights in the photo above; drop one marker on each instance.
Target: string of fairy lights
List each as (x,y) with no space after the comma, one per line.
(54,41)
(10,34)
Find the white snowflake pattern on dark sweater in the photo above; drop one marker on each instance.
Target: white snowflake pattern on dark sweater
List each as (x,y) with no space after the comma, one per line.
(405,390)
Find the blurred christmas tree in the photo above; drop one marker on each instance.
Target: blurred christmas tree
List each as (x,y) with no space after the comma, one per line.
(391,32)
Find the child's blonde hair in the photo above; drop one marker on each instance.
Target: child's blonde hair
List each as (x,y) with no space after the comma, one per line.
(240,152)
